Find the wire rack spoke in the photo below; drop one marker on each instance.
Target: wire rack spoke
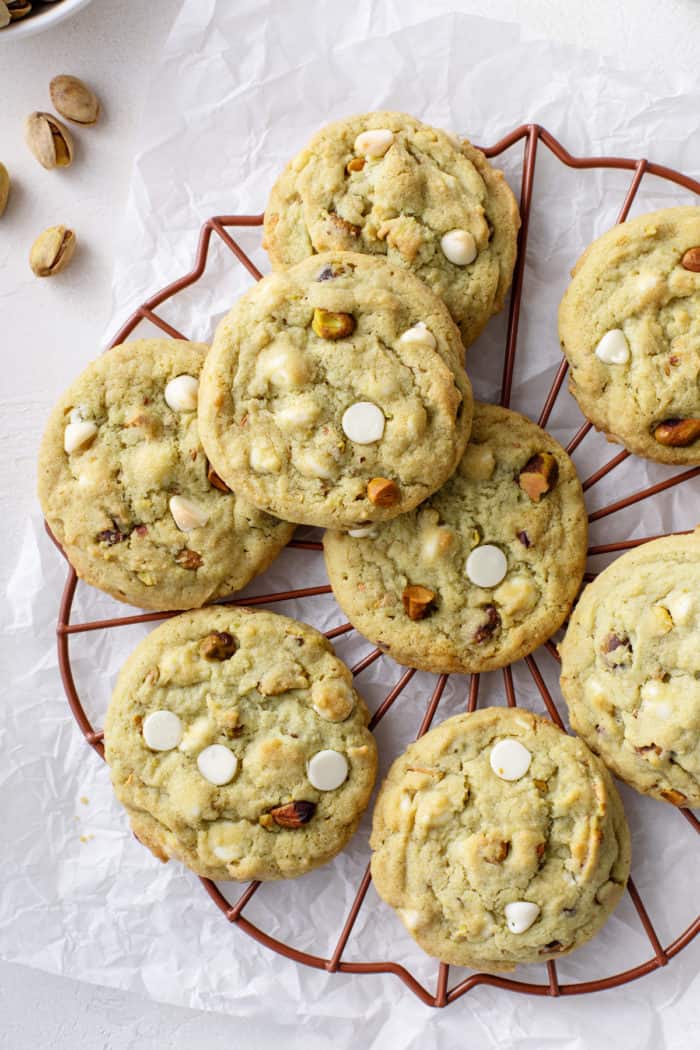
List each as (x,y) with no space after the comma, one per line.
(625,545)
(646,922)
(544,692)
(605,469)
(551,648)
(350,921)
(508,686)
(473,697)
(643,494)
(531,135)
(367,661)
(391,697)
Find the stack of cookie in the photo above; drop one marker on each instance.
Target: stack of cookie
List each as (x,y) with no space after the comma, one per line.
(335,395)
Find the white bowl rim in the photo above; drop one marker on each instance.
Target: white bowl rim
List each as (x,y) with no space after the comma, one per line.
(50,16)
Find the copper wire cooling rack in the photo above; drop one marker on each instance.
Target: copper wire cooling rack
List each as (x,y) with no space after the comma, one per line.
(532,135)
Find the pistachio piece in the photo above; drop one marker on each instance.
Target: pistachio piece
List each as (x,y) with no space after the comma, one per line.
(293,814)
(189,559)
(52,251)
(330,325)
(4,187)
(356,164)
(383,492)
(691,260)
(74,100)
(677,433)
(49,140)
(539,475)
(112,536)
(417,601)
(219,645)
(214,479)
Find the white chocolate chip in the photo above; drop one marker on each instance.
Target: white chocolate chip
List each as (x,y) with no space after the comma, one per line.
(365,531)
(374,143)
(284,367)
(181,393)
(411,918)
(264,459)
(78,435)
(301,413)
(314,464)
(198,734)
(613,348)
(327,770)
(436,541)
(458,247)
(517,594)
(419,334)
(681,606)
(486,565)
(509,759)
(162,730)
(478,463)
(363,423)
(186,514)
(217,764)
(520,915)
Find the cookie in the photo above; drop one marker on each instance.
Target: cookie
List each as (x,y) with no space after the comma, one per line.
(127,491)
(238,745)
(631,668)
(335,393)
(629,325)
(499,840)
(482,572)
(385,184)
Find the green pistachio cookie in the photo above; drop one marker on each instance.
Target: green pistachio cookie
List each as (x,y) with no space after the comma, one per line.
(629,325)
(127,490)
(499,840)
(486,569)
(631,668)
(238,745)
(385,184)
(335,393)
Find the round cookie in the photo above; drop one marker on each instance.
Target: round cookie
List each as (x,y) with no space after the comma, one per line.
(499,840)
(127,491)
(629,325)
(238,745)
(385,184)
(631,668)
(486,569)
(335,393)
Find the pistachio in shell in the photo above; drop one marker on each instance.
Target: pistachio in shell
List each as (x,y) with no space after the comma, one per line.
(74,100)
(52,251)
(49,140)
(18,9)
(4,187)
(5,17)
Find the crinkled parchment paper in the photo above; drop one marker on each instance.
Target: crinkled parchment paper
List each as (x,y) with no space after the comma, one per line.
(237,90)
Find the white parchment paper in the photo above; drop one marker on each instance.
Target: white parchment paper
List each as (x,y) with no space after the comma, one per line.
(237,90)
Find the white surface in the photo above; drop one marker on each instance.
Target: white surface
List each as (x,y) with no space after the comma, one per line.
(44,321)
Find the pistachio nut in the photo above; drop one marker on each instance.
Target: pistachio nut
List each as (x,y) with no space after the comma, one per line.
(52,251)
(49,140)
(5,18)
(18,9)
(74,100)
(4,187)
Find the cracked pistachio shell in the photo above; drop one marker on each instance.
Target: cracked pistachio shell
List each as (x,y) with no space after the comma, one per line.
(74,100)
(5,18)
(49,140)
(4,187)
(18,9)
(52,251)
